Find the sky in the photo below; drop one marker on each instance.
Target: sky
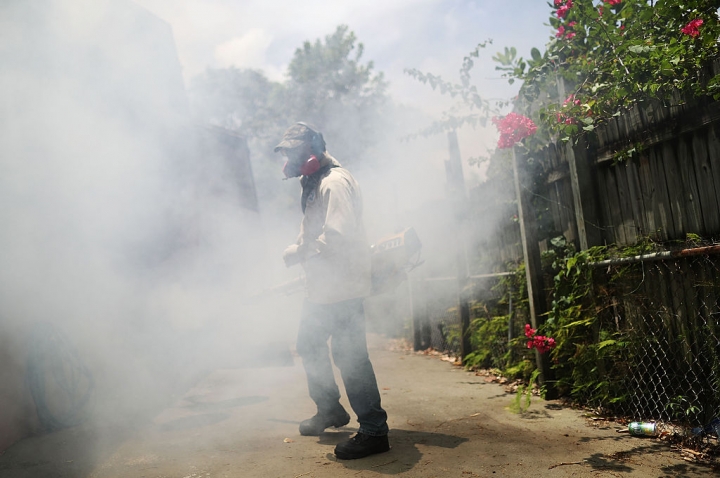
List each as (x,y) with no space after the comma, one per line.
(430,35)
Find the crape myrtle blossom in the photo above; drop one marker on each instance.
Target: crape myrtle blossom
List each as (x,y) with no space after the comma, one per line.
(570,35)
(540,342)
(513,128)
(693,28)
(563,32)
(561,118)
(563,7)
(573,100)
(614,2)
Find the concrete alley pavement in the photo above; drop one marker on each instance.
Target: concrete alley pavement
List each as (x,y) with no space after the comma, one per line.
(445,422)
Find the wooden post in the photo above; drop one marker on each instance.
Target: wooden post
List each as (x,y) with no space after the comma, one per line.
(533,269)
(584,205)
(416,311)
(419,314)
(456,191)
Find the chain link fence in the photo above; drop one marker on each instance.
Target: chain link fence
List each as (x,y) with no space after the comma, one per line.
(661,310)
(665,312)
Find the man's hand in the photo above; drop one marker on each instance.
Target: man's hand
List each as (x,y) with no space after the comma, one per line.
(291,256)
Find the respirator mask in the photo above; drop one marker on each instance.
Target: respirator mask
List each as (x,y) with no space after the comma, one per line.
(303,146)
(299,167)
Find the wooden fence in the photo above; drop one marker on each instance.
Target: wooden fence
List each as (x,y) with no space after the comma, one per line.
(653,172)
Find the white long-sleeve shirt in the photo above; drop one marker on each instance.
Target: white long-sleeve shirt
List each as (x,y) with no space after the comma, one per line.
(332,241)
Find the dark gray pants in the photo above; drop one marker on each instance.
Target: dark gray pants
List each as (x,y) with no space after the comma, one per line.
(344,322)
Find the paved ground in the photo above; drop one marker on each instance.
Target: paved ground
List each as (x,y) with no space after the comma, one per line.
(445,422)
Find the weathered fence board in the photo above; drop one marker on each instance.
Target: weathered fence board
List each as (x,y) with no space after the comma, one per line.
(615,220)
(703,177)
(607,234)
(686,167)
(714,157)
(661,205)
(647,194)
(626,209)
(676,192)
(636,202)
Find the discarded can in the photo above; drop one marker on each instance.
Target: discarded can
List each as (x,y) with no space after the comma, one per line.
(642,429)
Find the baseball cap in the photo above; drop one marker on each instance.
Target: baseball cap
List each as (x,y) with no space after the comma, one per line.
(295,136)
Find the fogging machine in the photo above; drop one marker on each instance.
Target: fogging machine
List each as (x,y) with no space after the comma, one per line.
(391,258)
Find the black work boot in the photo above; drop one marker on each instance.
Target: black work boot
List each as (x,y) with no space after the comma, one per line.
(316,425)
(362,445)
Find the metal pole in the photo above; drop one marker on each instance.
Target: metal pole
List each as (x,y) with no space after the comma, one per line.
(659,256)
(510,313)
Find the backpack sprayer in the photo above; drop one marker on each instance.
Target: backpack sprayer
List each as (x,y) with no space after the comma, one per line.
(391,258)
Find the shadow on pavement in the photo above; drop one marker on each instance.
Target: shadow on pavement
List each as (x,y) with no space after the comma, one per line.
(683,469)
(619,462)
(534,414)
(72,452)
(403,454)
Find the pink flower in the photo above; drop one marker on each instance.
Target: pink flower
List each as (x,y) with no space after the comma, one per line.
(570,35)
(572,24)
(560,32)
(572,99)
(513,128)
(563,7)
(600,10)
(693,28)
(561,118)
(540,342)
(614,2)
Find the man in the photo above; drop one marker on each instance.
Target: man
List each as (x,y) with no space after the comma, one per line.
(335,255)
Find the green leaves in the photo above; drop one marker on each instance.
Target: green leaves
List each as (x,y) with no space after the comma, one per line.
(470,109)
(506,59)
(640,48)
(612,57)
(536,56)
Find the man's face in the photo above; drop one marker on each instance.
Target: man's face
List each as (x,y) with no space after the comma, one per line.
(296,158)
(299,154)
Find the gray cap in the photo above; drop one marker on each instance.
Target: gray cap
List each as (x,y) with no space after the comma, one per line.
(295,136)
